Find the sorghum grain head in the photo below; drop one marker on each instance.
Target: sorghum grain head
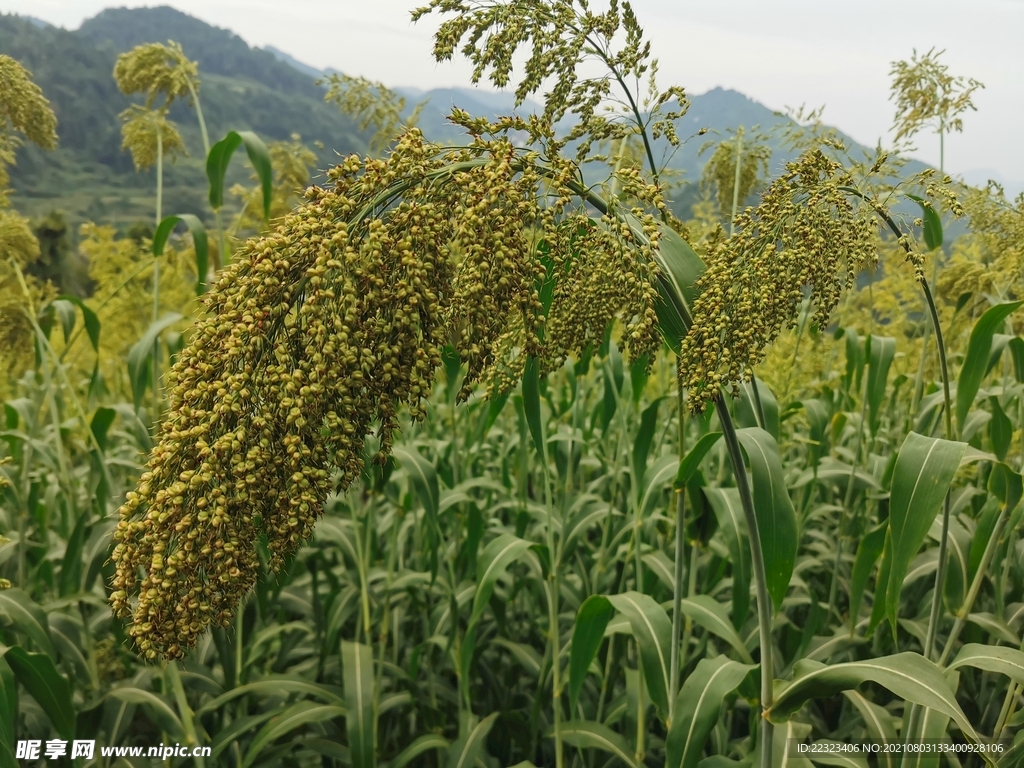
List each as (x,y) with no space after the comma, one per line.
(156,69)
(805,234)
(325,328)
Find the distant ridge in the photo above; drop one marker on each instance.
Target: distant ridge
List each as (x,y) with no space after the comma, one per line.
(262,89)
(90,177)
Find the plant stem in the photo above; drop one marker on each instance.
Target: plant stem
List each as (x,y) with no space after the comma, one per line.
(677,601)
(156,261)
(222,254)
(1007,709)
(553,587)
(736,181)
(940,574)
(764,609)
(187,718)
(691,589)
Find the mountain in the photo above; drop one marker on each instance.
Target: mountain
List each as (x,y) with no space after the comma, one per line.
(979,177)
(243,88)
(719,111)
(90,177)
(294,63)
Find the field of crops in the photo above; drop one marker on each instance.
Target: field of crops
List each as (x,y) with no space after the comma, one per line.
(464,461)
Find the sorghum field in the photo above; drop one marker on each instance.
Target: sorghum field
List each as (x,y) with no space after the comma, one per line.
(461,460)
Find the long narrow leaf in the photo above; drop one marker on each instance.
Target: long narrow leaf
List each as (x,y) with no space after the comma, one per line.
(465,752)
(199,240)
(975,363)
(924,470)
(908,675)
(50,689)
(357,667)
(220,157)
(652,630)
(589,735)
(587,636)
(697,708)
(776,518)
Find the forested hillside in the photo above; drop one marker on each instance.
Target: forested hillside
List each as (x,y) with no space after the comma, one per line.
(89,177)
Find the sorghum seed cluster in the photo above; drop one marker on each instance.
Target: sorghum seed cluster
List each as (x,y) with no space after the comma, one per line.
(323,329)
(804,234)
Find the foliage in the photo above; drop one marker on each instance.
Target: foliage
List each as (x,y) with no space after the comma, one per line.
(91,179)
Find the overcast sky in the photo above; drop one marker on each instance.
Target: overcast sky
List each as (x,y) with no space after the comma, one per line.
(781,53)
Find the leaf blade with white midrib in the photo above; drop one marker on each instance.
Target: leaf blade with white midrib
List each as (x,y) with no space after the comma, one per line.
(652,631)
(465,751)
(725,502)
(590,735)
(708,613)
(357,669)
(976,360)
(907,675)
(294,717)
(587,636)
(924,470)
(992,658)
(698,705)
(776,518)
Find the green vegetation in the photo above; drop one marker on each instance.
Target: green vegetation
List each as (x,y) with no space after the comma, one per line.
(89,177)
(462,461)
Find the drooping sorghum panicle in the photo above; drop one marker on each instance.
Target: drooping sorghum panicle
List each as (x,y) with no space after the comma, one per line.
(321,331)
(720,171)
(611,274)
(23,106)
(989,260)
(375,106)
(156,69)
(804,234)
(144,131)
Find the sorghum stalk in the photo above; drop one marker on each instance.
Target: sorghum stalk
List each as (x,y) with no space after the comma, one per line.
(972,592)
(764,609)
(935,613)
(677,603)
(1006,711)
(223,257)
(680,553)
(736,181)
(940,574)
(156,260)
